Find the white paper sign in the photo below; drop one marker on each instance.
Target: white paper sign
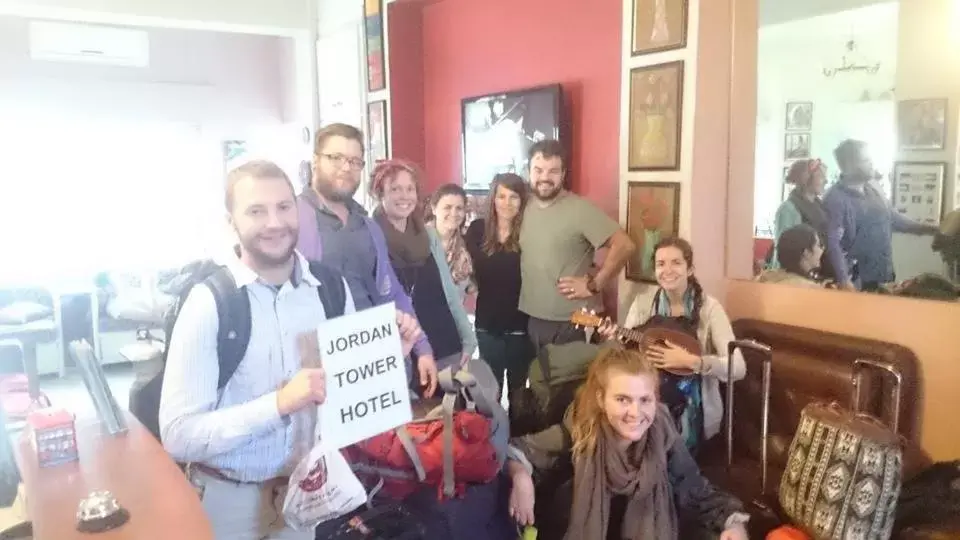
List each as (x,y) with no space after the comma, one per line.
(367,391)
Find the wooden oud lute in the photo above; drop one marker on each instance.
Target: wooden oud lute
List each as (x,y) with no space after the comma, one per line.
(644,337)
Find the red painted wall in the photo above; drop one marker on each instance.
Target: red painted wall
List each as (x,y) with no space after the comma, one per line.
(406,81)
(474,47)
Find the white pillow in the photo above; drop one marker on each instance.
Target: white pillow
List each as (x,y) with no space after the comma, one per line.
(23,313)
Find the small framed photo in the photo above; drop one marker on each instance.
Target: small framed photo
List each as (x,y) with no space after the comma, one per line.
(799,116)
(379,148)
(796,146)
(922,124)
(918,190)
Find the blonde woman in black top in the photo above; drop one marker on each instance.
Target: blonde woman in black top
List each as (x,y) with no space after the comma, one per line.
(494,246)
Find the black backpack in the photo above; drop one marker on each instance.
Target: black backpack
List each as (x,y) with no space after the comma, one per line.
(233,336)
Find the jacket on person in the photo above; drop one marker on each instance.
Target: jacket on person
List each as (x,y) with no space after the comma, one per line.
(310,245)
(468,339)
(694,496)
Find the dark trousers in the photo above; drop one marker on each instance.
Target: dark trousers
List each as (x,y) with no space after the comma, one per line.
(543,332)
(510,353)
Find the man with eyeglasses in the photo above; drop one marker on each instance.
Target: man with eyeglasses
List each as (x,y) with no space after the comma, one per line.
(335,229)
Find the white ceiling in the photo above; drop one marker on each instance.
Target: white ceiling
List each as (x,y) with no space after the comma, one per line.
(779,11)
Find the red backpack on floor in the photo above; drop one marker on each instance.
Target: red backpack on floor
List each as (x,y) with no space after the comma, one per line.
(462,441)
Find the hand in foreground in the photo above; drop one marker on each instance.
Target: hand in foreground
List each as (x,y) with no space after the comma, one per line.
(522,499)
(672,357)
(427,367)
(574,288)
(737,532)
(307,387)
(464,358)
(410,331)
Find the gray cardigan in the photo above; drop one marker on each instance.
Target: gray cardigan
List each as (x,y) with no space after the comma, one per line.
(468,338)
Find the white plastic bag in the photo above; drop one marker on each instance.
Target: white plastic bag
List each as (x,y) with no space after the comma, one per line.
(321,488)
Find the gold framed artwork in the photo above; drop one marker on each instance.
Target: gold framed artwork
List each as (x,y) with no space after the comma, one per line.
(922,124)
(653,213)
(659,25)
(656,105)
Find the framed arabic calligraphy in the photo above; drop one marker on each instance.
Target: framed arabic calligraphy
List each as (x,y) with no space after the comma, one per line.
(922,124)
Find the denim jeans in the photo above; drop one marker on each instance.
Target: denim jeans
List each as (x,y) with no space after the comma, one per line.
(510,353)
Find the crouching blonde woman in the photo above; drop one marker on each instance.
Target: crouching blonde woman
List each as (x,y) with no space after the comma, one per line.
(633,477)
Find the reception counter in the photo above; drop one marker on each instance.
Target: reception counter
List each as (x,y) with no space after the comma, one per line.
(134,467)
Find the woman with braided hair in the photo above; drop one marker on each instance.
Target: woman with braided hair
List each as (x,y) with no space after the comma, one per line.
(680,297)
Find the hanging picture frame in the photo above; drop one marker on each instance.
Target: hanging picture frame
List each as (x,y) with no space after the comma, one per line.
(659,25)
(656,116)
(922,124)
(918,190)
(796,146)
(798,116)
(373,39)
(379,147)
(653,213)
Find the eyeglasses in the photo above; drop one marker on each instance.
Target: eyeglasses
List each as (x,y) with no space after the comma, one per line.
(338,160)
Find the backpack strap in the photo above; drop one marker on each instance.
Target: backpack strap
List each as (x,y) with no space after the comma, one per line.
(233,313)
(332,291)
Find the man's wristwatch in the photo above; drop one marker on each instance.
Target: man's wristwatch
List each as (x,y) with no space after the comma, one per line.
(592,285)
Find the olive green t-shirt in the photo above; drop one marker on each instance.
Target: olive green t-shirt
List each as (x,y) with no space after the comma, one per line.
(558,241)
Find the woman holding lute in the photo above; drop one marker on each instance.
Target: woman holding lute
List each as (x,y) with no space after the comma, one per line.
(670,315)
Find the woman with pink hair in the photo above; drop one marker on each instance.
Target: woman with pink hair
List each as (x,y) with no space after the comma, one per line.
(418,258)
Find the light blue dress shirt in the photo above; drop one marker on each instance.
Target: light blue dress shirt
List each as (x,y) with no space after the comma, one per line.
(239,430)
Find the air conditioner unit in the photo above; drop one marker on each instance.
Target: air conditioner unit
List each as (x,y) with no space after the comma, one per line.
(71,42)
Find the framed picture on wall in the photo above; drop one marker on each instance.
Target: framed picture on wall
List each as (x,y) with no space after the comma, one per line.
(918,190)
(799,116)
(659,25)
(656,105)
(373,39)
(922,124)
(497,131)
(796,146)
(653,213)
(377,144)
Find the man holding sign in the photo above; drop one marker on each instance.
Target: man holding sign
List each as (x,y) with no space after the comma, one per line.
(242,439)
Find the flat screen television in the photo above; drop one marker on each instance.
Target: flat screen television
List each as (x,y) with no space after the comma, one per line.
(498,130)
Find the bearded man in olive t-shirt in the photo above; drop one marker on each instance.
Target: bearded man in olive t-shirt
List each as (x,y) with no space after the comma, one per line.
(560,234)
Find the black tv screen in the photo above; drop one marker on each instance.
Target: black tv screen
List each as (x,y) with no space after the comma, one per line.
(499,129)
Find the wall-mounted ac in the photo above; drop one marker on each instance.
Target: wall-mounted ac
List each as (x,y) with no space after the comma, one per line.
(74,42)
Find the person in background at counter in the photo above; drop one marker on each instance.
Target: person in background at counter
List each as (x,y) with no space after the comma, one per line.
(560,233)
(862,223)
(239,447)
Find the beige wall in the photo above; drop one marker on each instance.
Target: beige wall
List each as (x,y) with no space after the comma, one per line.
(931,329)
